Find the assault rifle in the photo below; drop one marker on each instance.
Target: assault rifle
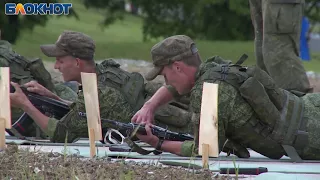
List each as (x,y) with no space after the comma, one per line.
(58,109)
(48,106)
(129,128)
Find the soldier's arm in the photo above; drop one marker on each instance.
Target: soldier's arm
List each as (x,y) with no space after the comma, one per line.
(40,119)
(189,148)
(163,96)
(112,106)
(54,96)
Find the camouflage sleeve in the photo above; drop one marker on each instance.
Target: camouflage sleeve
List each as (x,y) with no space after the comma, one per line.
(188,148)
(3,62)
(51,127)
(173,91)
(5,46)
(65,92)
(112,106)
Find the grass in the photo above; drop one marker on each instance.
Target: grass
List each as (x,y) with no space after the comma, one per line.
(123,39)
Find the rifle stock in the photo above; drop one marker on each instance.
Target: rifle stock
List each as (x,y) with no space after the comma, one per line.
(58,109)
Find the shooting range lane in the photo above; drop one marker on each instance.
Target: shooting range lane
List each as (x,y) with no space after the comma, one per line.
(82,148)
(283,168)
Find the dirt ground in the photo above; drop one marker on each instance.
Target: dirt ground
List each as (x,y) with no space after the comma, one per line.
(23,164)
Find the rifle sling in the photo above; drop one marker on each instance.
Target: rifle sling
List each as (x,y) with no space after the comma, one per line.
(135,148)
(16,133)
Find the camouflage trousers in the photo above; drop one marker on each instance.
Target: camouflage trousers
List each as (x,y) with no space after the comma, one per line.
(312,121)
(173,116)
(277,25)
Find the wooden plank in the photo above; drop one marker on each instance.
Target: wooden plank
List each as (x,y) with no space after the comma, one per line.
(90,92)
(208,130)
(5,110)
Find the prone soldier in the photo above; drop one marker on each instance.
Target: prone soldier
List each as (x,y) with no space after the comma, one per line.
(23,70)
(253,111)
(120,93)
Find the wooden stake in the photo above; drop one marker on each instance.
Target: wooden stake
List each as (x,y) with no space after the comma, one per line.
(90,92)
(205,156)
(2,134)
(5,110)
(208,130)
(92,143)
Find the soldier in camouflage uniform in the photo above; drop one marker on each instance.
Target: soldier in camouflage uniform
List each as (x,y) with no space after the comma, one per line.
(277,25)
(253,112)
(120,93)
(23,70)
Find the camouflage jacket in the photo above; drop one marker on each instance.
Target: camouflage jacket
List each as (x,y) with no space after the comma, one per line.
(234,115)
(21,73)
(113,105)
(18,70)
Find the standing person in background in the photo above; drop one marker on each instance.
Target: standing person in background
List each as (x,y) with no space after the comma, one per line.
(277,27)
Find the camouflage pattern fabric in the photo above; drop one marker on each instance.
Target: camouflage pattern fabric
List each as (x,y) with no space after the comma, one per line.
(172,49)
(20,74)
(174,116)
(112,106)
(65,92)
(60,89)
(312,118)
(235,116)
(6,47)
(277,26)
(71,43)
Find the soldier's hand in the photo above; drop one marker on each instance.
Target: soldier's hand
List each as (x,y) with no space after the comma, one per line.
(35,87)
(149,137)
(144,116)
(18,98)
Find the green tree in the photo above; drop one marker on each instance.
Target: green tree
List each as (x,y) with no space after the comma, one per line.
(206,19)
(114,9)
(11,26)
(209,19)
(312,10)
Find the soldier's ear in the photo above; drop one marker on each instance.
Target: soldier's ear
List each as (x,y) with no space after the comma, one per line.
(78,62)
(176,66)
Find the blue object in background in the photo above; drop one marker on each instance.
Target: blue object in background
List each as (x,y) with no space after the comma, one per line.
(304,47)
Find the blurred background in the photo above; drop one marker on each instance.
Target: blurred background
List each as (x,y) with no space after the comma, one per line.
(128,29)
